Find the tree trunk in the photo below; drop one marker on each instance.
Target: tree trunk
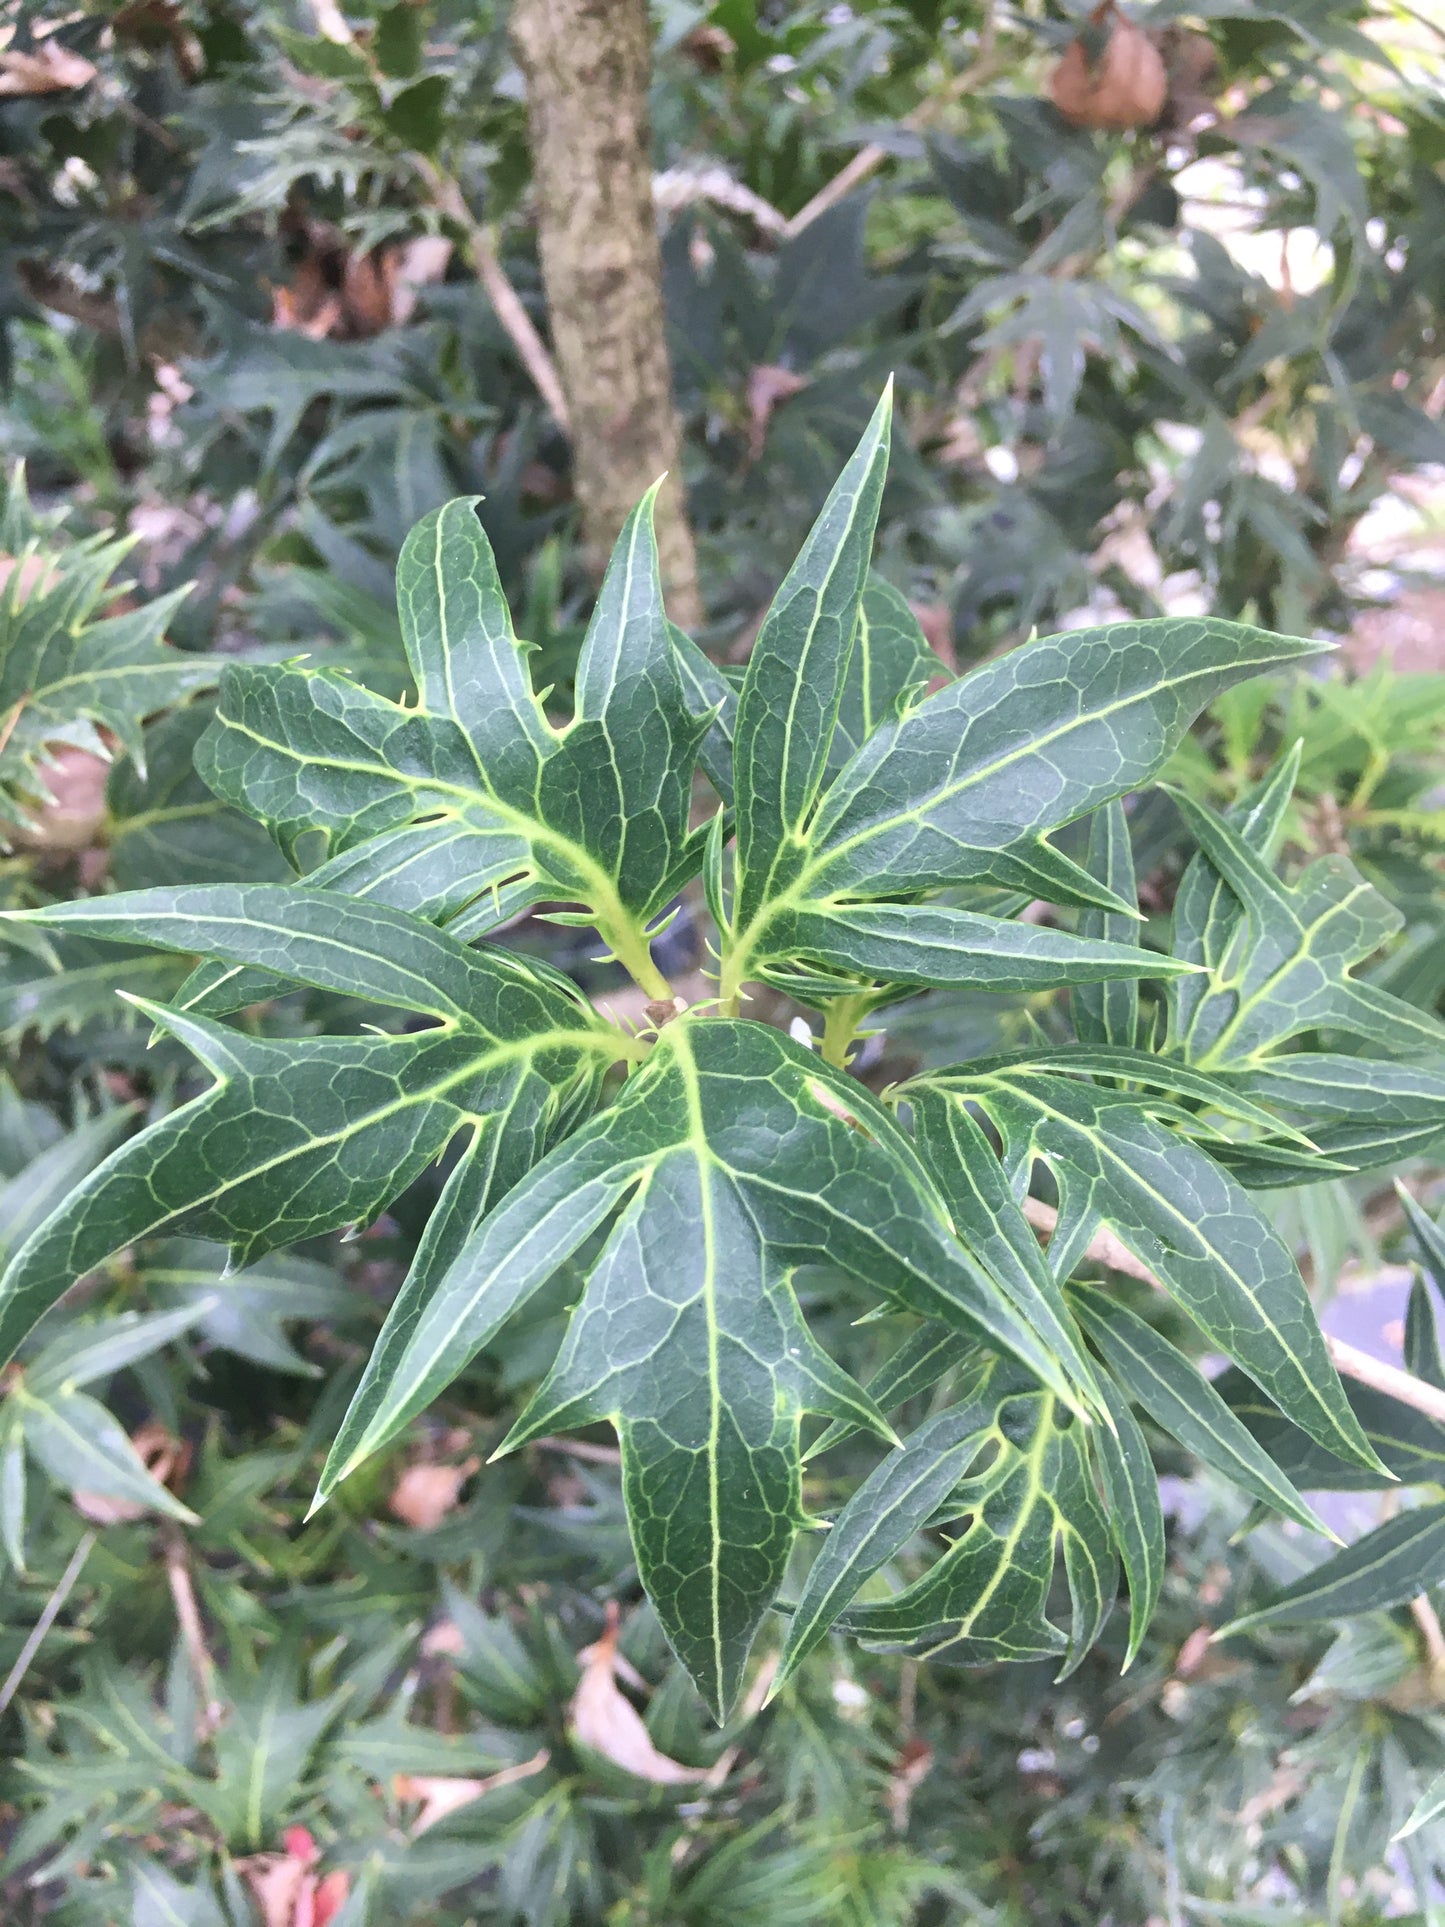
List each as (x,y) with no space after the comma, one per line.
(587,65)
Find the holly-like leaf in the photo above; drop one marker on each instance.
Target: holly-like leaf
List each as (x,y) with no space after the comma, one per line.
(474,803)
(1186,1405)
(889,666)
(1109,1012)
(914,945)
(960,787)
(1359,1112)
(1388,1566)
(300,1136)
(68,676)
(788,709)
(1279,963)
(1408,1444)
(986,1598)
(1119,1168)
(53,982)
(894,1502)
(163,826)
(732,1158)
(1135,1512)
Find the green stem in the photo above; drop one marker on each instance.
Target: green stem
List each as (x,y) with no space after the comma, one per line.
(629,946)
(840,1027)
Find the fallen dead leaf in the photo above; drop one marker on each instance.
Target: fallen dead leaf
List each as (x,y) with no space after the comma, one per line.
(441,1794)
(768,388)
(340,293)
(288,1891)
(68,817)
(424,1494)
(604,1720)
(49,69)
(164,1456)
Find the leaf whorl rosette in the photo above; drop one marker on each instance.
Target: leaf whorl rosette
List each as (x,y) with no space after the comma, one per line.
(871,840)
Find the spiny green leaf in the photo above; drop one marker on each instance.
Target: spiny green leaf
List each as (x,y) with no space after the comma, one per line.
(1408,1444)
(305,1135)
(788,709)
(922,944)
(1388,1566)
(1360,1112)
(1109,1014)
(66,675)
(1183,1402)
(1118,1167)
(473,805)
(737,1156)
(890,664)
(1137,1518)
(986,1597)
(927,1355)
(892,1504)
(965,786)
(960,788)
(990,1224)
(63,983)
(1286,969)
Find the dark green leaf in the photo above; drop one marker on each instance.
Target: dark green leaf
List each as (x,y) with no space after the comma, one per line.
(1117,1167)
(736,1156)
(893,1503)
(788,709)
(300,1136)
(986,1598)
(1132,1486)
(398,40)
(1109,1014)
(474,805)
(1184,1403)
(1291,974)
(1390,1565)
(1408,1443)
(417,116)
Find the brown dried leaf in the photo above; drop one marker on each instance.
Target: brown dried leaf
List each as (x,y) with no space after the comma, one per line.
(69,816)
(441,1794)
(424,1494)
(768,388)
(288,1891)
(1123,84)
(50,69)
(165,1457)
(604,1720)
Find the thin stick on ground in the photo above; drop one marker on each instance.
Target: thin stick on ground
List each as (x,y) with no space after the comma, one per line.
(532,351)
(51,1612)
(193,1637)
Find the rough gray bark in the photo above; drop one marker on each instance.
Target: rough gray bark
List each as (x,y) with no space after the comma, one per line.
(587,65)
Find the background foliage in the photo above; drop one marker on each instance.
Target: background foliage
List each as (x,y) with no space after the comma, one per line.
(1190,366)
